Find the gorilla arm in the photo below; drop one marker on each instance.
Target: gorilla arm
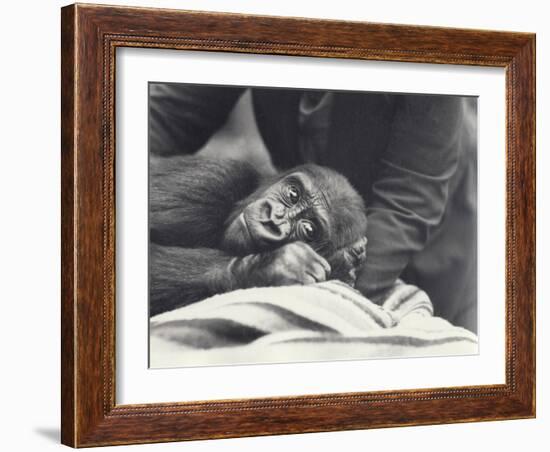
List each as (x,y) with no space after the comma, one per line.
(181,276)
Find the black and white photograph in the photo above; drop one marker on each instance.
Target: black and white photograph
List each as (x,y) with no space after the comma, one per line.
(275,226)
(299,225)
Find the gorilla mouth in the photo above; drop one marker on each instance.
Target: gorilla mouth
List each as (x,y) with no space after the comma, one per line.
(260,233)
(271,228)
(255,230)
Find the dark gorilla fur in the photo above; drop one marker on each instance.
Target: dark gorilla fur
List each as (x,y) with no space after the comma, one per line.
(192,201)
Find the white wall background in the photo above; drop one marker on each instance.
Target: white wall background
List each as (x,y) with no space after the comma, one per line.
(29,250)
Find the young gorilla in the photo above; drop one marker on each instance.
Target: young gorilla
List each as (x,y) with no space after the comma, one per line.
(218,225)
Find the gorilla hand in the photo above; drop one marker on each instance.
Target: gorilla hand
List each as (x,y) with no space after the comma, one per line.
(346,261)
(292,263)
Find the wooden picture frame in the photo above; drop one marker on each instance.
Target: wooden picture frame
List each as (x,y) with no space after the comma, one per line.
(90,36)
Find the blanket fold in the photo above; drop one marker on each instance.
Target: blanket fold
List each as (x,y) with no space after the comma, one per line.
(325,321)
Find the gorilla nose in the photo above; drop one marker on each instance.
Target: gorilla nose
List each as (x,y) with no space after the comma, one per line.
(275,226)
(276,211)
(275,232)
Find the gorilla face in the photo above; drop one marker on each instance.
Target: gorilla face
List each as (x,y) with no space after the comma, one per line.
(311,204)
(291,209)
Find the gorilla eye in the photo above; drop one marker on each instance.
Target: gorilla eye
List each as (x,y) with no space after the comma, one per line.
(308,230)
(293,193)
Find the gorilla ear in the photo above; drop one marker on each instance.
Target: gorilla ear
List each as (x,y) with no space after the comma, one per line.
(346,261)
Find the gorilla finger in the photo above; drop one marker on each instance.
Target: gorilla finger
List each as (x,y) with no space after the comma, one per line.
(359,251)
(309,279)
(324,265)
(323,271)
(317,273)
(314,256)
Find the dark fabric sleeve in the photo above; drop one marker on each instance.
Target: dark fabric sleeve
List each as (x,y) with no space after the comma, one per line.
(410,192)
(183,117)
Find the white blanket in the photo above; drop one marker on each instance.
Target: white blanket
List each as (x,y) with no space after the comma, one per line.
(325,321)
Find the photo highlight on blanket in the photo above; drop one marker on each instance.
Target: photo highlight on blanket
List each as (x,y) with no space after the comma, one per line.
(300,225)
